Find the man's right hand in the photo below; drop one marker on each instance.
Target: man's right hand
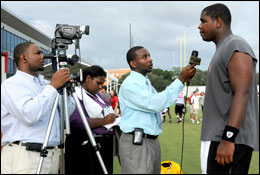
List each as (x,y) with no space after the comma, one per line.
(187,73)
(60,78)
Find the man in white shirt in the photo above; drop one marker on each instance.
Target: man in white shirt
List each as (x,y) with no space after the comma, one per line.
(26,103)
(195,106)
(180,106)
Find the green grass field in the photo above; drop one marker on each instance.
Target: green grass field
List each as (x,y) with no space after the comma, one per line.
(171,145)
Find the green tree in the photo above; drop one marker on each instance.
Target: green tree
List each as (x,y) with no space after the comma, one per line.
(158,81)
(123,77)
(199,78)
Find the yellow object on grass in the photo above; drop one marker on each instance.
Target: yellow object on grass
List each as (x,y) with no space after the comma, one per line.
(170,167)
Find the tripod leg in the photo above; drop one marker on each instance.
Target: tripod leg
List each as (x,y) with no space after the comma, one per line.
(65,115)
(89,132)
(61,146)
(44,151)
(65,99)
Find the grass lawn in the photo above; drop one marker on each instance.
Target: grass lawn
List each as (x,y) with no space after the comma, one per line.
(171,145)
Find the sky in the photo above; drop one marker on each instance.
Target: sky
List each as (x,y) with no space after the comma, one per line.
(156,25)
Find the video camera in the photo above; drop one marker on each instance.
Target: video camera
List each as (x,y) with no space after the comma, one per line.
(64,35)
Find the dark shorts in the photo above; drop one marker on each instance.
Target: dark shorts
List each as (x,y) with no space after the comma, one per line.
(241,160)
(179,109)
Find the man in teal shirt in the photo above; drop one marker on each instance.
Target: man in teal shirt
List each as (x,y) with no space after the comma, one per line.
(140,104)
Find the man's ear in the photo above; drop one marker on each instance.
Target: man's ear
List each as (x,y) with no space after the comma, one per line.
(133,64)
(23,58)
(219,23)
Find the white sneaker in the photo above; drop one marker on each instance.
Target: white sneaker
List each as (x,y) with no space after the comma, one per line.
(198,122)
(192,121)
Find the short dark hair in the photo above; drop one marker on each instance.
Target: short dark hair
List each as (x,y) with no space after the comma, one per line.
(131,54)
(21,49)
(93,71)
(219,11)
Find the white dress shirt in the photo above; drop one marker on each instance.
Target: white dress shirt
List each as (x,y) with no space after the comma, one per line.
(26,105)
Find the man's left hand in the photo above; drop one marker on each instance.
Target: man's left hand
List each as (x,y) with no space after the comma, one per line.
(225,152)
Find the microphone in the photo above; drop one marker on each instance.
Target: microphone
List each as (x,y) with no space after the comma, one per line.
(194,59)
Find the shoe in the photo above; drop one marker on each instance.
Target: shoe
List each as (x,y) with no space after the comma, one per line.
(192,121)
(170,120)
(164,121)
(198,122)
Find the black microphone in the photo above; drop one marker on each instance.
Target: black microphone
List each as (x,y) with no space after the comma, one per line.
(194,59)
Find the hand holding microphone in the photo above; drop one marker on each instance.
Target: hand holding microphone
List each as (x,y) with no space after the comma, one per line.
(189,71)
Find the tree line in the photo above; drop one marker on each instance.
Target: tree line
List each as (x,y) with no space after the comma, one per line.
(160,79)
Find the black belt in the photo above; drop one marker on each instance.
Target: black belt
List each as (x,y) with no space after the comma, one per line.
(32,146)
(145,135)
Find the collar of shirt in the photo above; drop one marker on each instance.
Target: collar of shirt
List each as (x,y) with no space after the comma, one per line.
(138,76)
(38,79)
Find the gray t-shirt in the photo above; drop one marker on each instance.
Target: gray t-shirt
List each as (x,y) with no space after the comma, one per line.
(219,96)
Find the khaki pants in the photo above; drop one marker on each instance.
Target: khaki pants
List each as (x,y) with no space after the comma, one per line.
(15,159)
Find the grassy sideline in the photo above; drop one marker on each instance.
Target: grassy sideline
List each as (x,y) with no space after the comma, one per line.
(171,144)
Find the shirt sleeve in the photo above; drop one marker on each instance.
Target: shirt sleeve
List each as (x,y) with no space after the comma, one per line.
(116,99)
(137,97)
(28,108)
(71,104)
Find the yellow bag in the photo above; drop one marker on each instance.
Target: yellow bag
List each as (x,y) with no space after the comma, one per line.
(170,167)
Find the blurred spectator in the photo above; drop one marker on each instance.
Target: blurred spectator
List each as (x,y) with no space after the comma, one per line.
(114,102)
(179,107)
(164,113)
(195,106)
(105,95)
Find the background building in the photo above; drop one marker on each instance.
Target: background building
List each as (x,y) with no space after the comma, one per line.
(14,31)
(116,74)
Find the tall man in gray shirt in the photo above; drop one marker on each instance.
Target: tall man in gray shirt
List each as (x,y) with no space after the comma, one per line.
(230,127)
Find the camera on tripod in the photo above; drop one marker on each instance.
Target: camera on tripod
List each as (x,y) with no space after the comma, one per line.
(64,35)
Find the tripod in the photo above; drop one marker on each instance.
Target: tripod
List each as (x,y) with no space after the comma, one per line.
(44,151)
